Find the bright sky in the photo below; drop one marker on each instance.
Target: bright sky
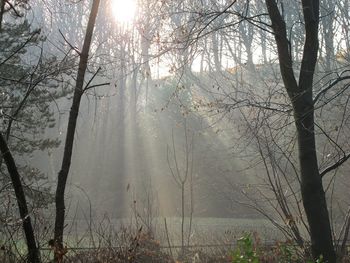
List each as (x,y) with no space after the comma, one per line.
(124,10)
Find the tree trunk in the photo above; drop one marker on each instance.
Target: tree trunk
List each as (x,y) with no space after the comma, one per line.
(33,251)
(328,13)
(300,94)
(2,10)
(263,46)
(215,43)
(312,191)
(73,115)
(182,218)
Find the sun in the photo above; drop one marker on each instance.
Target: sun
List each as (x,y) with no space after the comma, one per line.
(124,10)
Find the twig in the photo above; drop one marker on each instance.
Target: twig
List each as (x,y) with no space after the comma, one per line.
(92,78)
(335,165)
(69,44)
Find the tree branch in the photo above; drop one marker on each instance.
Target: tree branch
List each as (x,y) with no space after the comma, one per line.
(331,85)
(92,78)
(335,165)
(69,44)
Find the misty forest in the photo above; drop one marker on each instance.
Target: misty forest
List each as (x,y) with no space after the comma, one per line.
(174,131)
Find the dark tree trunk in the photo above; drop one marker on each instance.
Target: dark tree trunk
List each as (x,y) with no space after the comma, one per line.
(33,251)
(2,10)
(300,94)
(312,191)
(73,115)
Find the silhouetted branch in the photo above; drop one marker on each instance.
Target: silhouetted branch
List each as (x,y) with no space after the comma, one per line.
(69,44)
(335,165)
(331,85)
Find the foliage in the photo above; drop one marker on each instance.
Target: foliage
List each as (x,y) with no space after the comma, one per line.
(250,249)
(29,81)
(246,251)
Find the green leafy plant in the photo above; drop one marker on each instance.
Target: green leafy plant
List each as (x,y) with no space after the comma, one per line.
(319,260)
(245,251)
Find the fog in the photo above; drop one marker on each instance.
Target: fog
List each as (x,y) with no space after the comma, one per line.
(184,115)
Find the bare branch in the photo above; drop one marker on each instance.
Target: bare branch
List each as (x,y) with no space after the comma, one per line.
(13,8)
(92,78)
(331,85)
(69,44)
(335,165)
(97,85)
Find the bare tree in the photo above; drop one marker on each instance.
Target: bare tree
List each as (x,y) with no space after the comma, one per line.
(182,174)
(301,96)
(73,116)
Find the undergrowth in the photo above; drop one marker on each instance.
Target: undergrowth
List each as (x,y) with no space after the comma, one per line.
(127,245)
